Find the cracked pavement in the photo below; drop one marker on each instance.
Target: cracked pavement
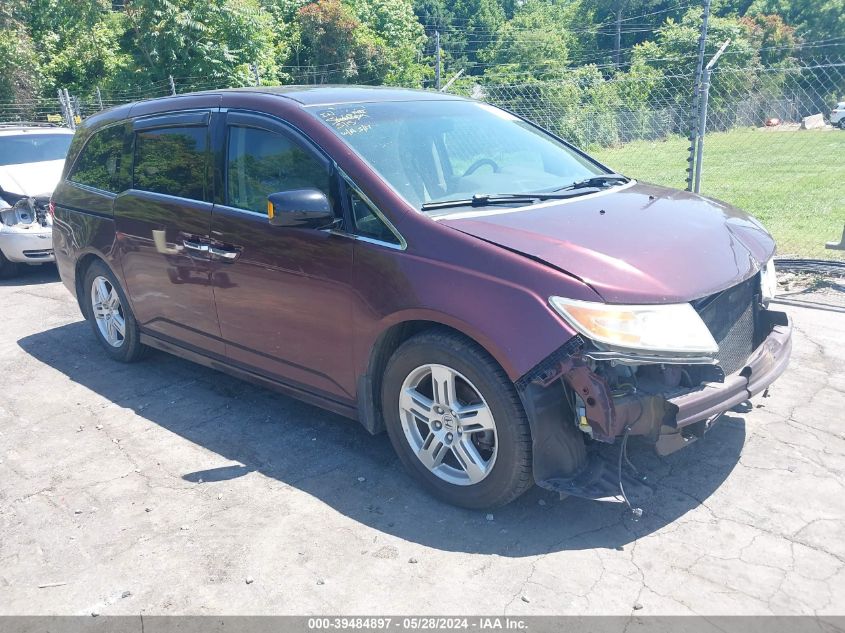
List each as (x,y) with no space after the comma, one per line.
(161,487)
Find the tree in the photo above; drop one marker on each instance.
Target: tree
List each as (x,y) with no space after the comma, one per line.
(76,42)
(20,76)
(201,43)
(813,20)
(538,41)
(398,34)
(476,23)
(372,41)
(330,42)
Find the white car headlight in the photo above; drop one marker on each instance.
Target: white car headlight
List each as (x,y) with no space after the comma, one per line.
(768,282)
(651,328)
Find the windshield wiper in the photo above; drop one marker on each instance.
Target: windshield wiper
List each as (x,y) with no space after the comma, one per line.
(485,199)
(602,180)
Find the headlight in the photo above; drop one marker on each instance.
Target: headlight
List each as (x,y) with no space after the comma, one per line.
(652,328)
(768,282)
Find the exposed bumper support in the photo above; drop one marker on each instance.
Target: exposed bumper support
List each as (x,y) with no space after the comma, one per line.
(703,405)
(671,418)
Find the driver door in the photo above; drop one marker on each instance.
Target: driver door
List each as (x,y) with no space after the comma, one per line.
(284,302)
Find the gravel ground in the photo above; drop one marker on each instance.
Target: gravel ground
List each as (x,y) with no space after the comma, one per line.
(167,488)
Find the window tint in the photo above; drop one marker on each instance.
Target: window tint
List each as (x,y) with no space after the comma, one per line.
(98,164)
(172,161)
(367,223)
(260,162)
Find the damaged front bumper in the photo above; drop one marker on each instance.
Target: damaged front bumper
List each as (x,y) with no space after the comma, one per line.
(670,405)
(26,233)
(698,408)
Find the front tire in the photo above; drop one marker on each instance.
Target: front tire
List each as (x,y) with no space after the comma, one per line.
(456,422)
(111,318)
(842,123)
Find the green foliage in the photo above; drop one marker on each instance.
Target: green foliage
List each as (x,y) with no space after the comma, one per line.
(819,20)
(199,41)
(361,41)
(538,40)
(77,42)
(20,75)
(133,47)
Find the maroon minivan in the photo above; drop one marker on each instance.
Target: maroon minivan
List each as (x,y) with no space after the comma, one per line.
(492,297)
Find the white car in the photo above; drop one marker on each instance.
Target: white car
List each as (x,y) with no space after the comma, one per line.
(31,162)
(837,115)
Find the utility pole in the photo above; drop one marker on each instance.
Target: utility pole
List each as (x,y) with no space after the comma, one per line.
(696,94)
(702,124)
(437,60)
(255,76)
(617,43)
(172,85)
(99,98)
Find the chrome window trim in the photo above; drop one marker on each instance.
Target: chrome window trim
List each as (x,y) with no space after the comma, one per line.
(169,196)
(90,189)
(368,240)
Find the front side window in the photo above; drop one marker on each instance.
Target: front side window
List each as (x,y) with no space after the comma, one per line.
(367,222)
(98,164)
(436,150)
(172,161)
(260,162)
(33,148)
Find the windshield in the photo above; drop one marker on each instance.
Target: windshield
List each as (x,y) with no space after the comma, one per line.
(432,151)
(33,148)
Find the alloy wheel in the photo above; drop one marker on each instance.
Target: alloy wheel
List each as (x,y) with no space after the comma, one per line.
(448,424)
(108,312)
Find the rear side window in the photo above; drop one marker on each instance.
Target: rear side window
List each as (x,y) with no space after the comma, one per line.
(260,162)
(98,164)
(172,161)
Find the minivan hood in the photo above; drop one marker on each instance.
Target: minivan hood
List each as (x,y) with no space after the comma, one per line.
(637,243)
(31,179)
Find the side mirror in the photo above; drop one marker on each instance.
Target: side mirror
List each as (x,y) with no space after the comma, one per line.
(300,208)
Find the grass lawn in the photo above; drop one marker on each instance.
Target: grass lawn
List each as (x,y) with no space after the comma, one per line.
(793,182)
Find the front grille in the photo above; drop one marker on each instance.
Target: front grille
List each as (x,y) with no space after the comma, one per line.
(730,316)
(39,254)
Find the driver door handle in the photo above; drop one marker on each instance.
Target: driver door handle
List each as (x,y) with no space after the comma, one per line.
(195,247)
(223,253)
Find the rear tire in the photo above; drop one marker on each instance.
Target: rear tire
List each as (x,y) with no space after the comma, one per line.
(111,318)
(842,123)
(7,269)
(456,421)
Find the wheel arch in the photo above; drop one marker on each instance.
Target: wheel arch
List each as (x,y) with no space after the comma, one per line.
(83,263)
(386,343)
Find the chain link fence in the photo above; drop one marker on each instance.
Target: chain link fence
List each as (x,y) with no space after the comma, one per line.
(772,144)
(761,151)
